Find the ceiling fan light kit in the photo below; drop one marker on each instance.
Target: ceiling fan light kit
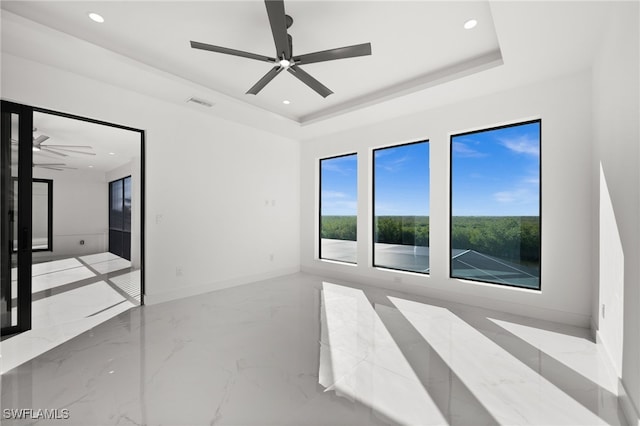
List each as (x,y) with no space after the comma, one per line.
(284,60)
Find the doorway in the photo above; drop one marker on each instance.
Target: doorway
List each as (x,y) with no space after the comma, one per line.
(64,252)
(120,217)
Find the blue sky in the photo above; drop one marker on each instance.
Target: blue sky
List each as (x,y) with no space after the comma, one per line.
(339,195)
(496,172)
(402,180)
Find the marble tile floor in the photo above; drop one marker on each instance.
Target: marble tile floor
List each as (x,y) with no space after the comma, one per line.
(70,296)
(303,350)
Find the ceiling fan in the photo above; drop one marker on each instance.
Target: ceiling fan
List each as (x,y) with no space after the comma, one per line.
(53,166)
(58,150)
(285,60)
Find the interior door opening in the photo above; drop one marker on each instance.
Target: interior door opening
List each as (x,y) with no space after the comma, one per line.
(59,240)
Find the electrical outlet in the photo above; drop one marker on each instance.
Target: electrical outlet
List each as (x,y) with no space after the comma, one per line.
(603,310)
(159,218)
(271,257)
(178,271)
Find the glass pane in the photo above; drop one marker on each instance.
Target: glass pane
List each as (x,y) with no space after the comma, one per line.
(339,208)
(13,217)
(401,207)
(40,216)
(116,219)
(14,205)
(495,205)
(127,204)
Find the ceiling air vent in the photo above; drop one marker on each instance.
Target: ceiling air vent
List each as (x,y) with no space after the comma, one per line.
(201,102)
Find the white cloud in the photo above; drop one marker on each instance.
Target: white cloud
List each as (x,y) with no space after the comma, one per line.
(333,194)
(516,196)
(394,165)
(340,207)
(463,150)
(345,165)
(337,168)
(522,145)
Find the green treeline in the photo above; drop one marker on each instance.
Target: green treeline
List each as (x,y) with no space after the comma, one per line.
(508,237)
(339,227)
(407,230)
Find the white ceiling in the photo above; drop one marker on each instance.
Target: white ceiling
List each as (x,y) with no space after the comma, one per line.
(111,147)
(421,55)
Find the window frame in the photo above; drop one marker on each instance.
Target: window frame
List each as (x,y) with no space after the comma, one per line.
(487,129)
(373,206)
(112,227)
(320,160)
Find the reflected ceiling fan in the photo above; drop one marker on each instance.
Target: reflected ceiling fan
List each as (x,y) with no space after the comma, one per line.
(54,166)
(285,60)
(58,150)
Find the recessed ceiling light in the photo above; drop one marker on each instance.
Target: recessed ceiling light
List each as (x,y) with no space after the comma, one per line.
(471,23)
(91,167)
(96,18)
(112,153)
(286,102)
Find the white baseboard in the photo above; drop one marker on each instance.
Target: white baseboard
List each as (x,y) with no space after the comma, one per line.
(630,410)
(631,413)
(193,290)
(561,317)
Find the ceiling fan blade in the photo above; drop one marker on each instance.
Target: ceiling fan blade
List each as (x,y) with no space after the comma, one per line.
(310,81)
(50,168)
(234,52)
(53,152)
(68,146)
(51,149)
(278,22)
(333,54)
(49,164)
(37,141)
(264,80)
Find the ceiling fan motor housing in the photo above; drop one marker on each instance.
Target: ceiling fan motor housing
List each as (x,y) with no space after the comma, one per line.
(280,22)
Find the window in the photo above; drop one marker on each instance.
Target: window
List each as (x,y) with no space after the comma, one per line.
(401,207)
(339,208)
(495,205)
(120,217)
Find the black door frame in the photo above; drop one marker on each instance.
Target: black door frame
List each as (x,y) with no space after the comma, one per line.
(25,176)
(25,203)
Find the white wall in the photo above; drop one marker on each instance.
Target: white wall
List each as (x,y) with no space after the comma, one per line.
(132,168)
(80,207)
(221,198)
(616,200)
(564,107)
